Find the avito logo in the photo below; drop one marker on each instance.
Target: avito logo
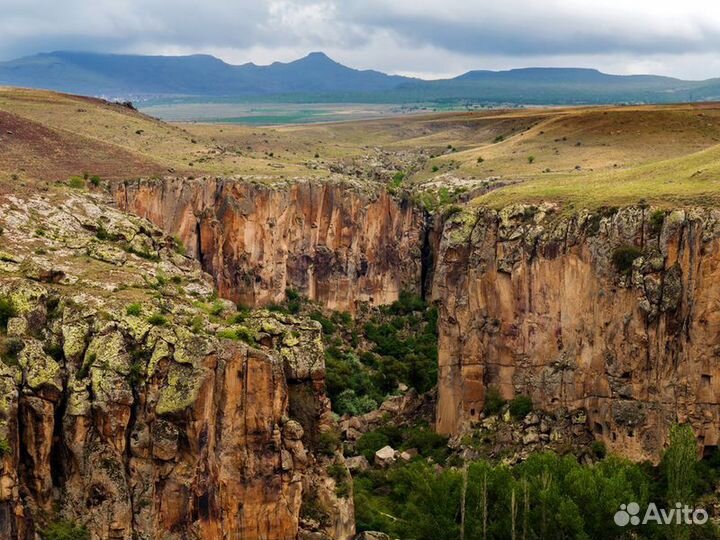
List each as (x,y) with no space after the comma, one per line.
(629,514)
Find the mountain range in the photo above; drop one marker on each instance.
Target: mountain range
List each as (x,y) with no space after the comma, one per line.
(316,77)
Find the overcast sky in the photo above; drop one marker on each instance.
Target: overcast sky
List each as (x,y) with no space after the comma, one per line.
(426,38)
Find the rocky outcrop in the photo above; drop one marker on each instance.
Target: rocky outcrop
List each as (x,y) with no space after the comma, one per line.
(613,312)
(134,405)
(336,242)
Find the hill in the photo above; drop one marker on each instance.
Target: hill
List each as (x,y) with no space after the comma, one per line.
(196,75)
(582,157)
(317,78)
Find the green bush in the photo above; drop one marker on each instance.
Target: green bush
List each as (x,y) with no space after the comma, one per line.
(156,319)
(371,442)
(348,402)
(427,442)
(328,442)
(65,530)
(134,310)
(4,447)
(339,473)
(623,258)
(76,182)
(494,401)
(7,312)
(656,220)
(328,327)
(520,406)
(293,300)
(10,350)
(245,334)
(598,449)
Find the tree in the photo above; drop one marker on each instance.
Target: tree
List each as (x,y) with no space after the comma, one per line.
(680,462)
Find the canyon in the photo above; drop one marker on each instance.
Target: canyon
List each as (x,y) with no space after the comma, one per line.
(531,301)
(172,330)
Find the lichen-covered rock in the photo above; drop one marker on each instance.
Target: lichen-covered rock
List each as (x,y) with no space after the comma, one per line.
(599,312)
(122,409)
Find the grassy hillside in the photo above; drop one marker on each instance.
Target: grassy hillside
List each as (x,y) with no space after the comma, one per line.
(579,157)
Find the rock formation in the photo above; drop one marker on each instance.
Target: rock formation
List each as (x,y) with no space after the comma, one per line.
(336,242)
(613,312)
(124,407)
(609,312)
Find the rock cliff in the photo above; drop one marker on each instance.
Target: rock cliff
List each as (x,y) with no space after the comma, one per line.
(336,242)
(133,404)
(609,312)
(614,312)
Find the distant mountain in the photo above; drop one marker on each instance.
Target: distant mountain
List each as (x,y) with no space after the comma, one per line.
(319,78)
(196,75)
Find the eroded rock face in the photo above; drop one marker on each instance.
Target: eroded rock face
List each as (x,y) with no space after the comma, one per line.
(126,410)
(337,243)
(548,306)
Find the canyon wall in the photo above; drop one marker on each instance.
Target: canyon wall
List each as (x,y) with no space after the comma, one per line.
(130,407)
(339,243)
(532,301)
(615,313)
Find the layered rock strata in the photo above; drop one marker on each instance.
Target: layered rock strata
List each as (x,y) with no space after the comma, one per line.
(612,312)
(335,242)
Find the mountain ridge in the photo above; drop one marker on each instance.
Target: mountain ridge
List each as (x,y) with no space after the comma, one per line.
(317,77)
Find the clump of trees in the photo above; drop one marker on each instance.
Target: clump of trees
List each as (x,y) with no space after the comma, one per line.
(546,497)
(366,362)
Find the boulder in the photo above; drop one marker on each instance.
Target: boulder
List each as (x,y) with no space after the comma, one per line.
(385,456)
(357,464)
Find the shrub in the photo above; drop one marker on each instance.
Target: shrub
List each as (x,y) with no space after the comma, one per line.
(339,473)
(4,447)
(95,180)
(156,319)
(656,220)
(328,327)
(293,300)
(520,406)
(623,258)
(134,310)
(598,449)
(328,442)
(427,442)
(65,530)
(531,159)
(179,245)
(7,312)
(76,182)
(371,442)
(348,402)
(494,401)
(10,350)
(216,308)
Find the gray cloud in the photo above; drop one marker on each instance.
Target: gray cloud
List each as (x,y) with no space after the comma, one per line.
(430,38)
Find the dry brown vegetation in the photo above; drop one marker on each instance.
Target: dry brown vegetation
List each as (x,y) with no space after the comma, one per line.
(585,156)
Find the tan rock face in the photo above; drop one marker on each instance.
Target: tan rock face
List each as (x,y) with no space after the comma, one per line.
(137,425)
(333,242)
(542,305)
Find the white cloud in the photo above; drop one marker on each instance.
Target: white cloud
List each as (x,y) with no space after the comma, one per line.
(431,38)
